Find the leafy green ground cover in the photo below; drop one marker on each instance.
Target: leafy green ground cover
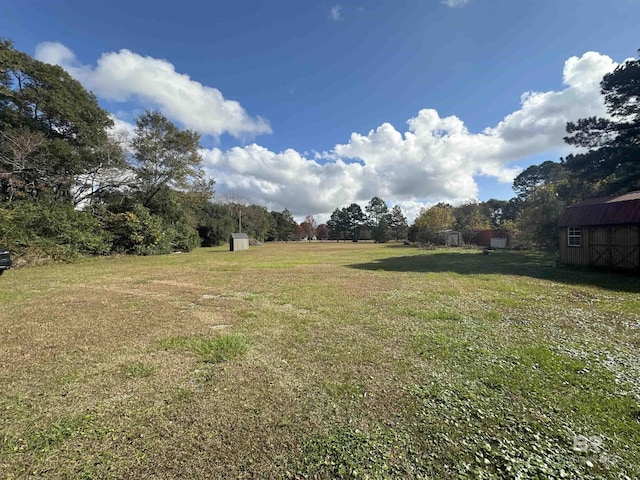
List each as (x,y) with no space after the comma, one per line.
(319,360)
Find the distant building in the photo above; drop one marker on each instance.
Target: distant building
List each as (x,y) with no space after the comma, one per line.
(602,232)
(452,238)
(494,238)
(238,241)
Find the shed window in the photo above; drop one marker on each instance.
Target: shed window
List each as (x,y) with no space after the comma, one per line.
(574,237)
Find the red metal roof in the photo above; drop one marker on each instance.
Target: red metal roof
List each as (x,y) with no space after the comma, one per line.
(612,210)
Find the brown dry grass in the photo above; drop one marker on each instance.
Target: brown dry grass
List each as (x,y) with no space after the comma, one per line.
(336,337)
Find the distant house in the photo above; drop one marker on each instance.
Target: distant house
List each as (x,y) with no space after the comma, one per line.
(238,241)
(602,232)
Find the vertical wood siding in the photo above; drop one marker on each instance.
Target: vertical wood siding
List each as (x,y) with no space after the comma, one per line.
(612,246)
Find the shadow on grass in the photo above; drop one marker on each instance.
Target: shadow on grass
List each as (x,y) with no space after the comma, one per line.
(529,264)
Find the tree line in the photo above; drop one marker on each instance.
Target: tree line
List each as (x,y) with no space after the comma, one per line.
(607,163)
(70,185)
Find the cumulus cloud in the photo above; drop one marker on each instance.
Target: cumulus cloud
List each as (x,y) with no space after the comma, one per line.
(127,76)
(539,125)
(435,159)
(432,159)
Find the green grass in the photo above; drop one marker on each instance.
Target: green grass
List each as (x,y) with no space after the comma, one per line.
(319,360)
(137,370)
(209,350)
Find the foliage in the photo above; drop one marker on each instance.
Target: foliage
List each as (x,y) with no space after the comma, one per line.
(254,220)
(183,237)
(138,232)
(610,165)
(215,224)
(164,156)
(433,221)
(309,227)
(355,219)
(538,219)
(283,225)
(52,230)
(536,176)
(346,222)
(298,233)
(52,131)
(397,223)
(323,231)
(470,219)
(501,211)
(378,219)
(338,224)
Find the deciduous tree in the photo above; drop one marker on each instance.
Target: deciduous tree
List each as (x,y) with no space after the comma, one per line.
(164,156)
(53,130)
(432,222)
(309,226)
(322,232)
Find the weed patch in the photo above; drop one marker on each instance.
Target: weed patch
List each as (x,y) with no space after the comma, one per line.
(470,432)
(209,350)
(137,370)
(346,453)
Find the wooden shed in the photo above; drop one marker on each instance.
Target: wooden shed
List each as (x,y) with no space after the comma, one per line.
(602,232)
(238,241)
(452,238)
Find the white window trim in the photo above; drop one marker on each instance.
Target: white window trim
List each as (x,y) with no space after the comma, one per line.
(574,236)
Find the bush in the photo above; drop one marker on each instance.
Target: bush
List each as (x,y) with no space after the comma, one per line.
(183,237)
(141,233)
(51,230)
(137,232)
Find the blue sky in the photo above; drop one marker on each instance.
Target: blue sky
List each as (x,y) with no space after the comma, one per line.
(312,105)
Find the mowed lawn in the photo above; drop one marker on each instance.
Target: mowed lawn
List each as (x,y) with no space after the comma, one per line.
(319,360)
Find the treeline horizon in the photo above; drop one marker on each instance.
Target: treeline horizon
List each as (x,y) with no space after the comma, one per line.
(70,186)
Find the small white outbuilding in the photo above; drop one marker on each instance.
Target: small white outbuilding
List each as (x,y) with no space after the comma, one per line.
(238,241)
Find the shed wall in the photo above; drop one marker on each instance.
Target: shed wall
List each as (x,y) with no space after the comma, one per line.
(238,242)
(612,246)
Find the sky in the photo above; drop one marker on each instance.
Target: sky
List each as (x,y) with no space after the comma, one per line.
(312,105)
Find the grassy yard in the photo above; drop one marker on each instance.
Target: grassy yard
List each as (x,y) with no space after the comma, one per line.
(319,360)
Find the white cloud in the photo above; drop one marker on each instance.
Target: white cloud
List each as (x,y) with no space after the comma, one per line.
(126,76)
(436,159)
(122,128)
(335,14)
(455,3)
(539,125)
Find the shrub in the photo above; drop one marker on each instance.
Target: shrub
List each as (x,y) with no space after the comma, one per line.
(137,232)
(52,230)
